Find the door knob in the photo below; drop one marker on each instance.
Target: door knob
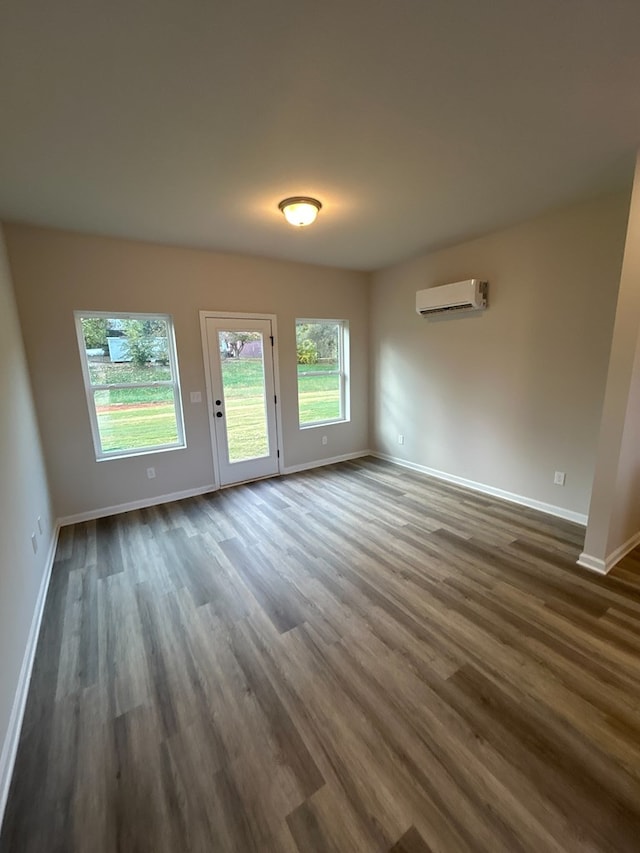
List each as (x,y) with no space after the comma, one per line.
(218,414)
(218,402)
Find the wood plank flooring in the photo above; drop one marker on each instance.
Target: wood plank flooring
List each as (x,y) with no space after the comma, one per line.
(355,658)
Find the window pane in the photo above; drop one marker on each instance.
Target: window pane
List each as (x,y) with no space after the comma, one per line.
(132,418)
(126,350)
(318,345)
(244,395)
(318,397)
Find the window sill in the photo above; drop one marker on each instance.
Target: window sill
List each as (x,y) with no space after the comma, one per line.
(318,424)
(146,451)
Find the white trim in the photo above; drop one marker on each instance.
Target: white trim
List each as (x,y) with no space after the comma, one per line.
(612,559)
(119,386)
(237,315)
(275,353)
(550,509)
(209,389)
(593,564)
(143,451)
(143,503)
(318,463)
(320,424)
(622,550)
(12,739)
(101,512)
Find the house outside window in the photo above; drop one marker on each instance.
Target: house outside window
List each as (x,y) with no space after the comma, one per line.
(323,371)
(130,371)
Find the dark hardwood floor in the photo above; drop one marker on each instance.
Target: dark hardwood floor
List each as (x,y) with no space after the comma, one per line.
(355,658)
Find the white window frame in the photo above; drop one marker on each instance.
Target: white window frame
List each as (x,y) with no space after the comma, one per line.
(342,372)
(174,382)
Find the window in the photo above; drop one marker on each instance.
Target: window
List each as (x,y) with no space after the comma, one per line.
(322,347)
(131,379)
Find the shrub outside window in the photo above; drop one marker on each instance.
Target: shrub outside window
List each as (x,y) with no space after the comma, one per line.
(131,380)
(322,354)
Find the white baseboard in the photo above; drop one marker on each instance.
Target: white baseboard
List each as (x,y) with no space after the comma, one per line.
(622,550)
(318,463)
(12,739)
(594,564)
(550,509)
(603,567)
(102,512)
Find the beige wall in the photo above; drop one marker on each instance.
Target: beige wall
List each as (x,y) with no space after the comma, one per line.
(625,516)
(614,514)
(23,497)
(506,397)
(56,272)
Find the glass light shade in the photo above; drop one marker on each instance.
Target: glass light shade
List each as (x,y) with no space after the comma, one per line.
(300,210)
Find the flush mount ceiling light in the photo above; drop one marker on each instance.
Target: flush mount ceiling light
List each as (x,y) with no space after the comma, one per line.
(300,210)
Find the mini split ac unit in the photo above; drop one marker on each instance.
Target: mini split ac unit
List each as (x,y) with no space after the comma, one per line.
(470,295)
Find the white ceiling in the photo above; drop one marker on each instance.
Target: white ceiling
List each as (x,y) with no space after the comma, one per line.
(417,123)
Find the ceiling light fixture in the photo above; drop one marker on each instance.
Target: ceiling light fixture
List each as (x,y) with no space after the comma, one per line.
(300,210)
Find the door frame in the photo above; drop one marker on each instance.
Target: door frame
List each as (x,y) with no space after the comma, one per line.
(239,315)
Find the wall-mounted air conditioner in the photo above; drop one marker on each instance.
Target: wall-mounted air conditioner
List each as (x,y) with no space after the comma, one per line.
(470,295)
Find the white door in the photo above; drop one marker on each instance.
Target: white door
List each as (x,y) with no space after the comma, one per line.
(242,404)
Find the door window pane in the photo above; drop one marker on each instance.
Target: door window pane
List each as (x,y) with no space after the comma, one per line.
(243,384)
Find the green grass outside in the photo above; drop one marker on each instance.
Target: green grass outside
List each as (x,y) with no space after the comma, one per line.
(104,372)
(125,423)
(318,398)
(128,427)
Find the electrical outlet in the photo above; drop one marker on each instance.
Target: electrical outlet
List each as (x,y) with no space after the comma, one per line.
(196,397)
(324,439)
(40,524)
(34,543)
(400,438)
(151,473)
(559,478)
